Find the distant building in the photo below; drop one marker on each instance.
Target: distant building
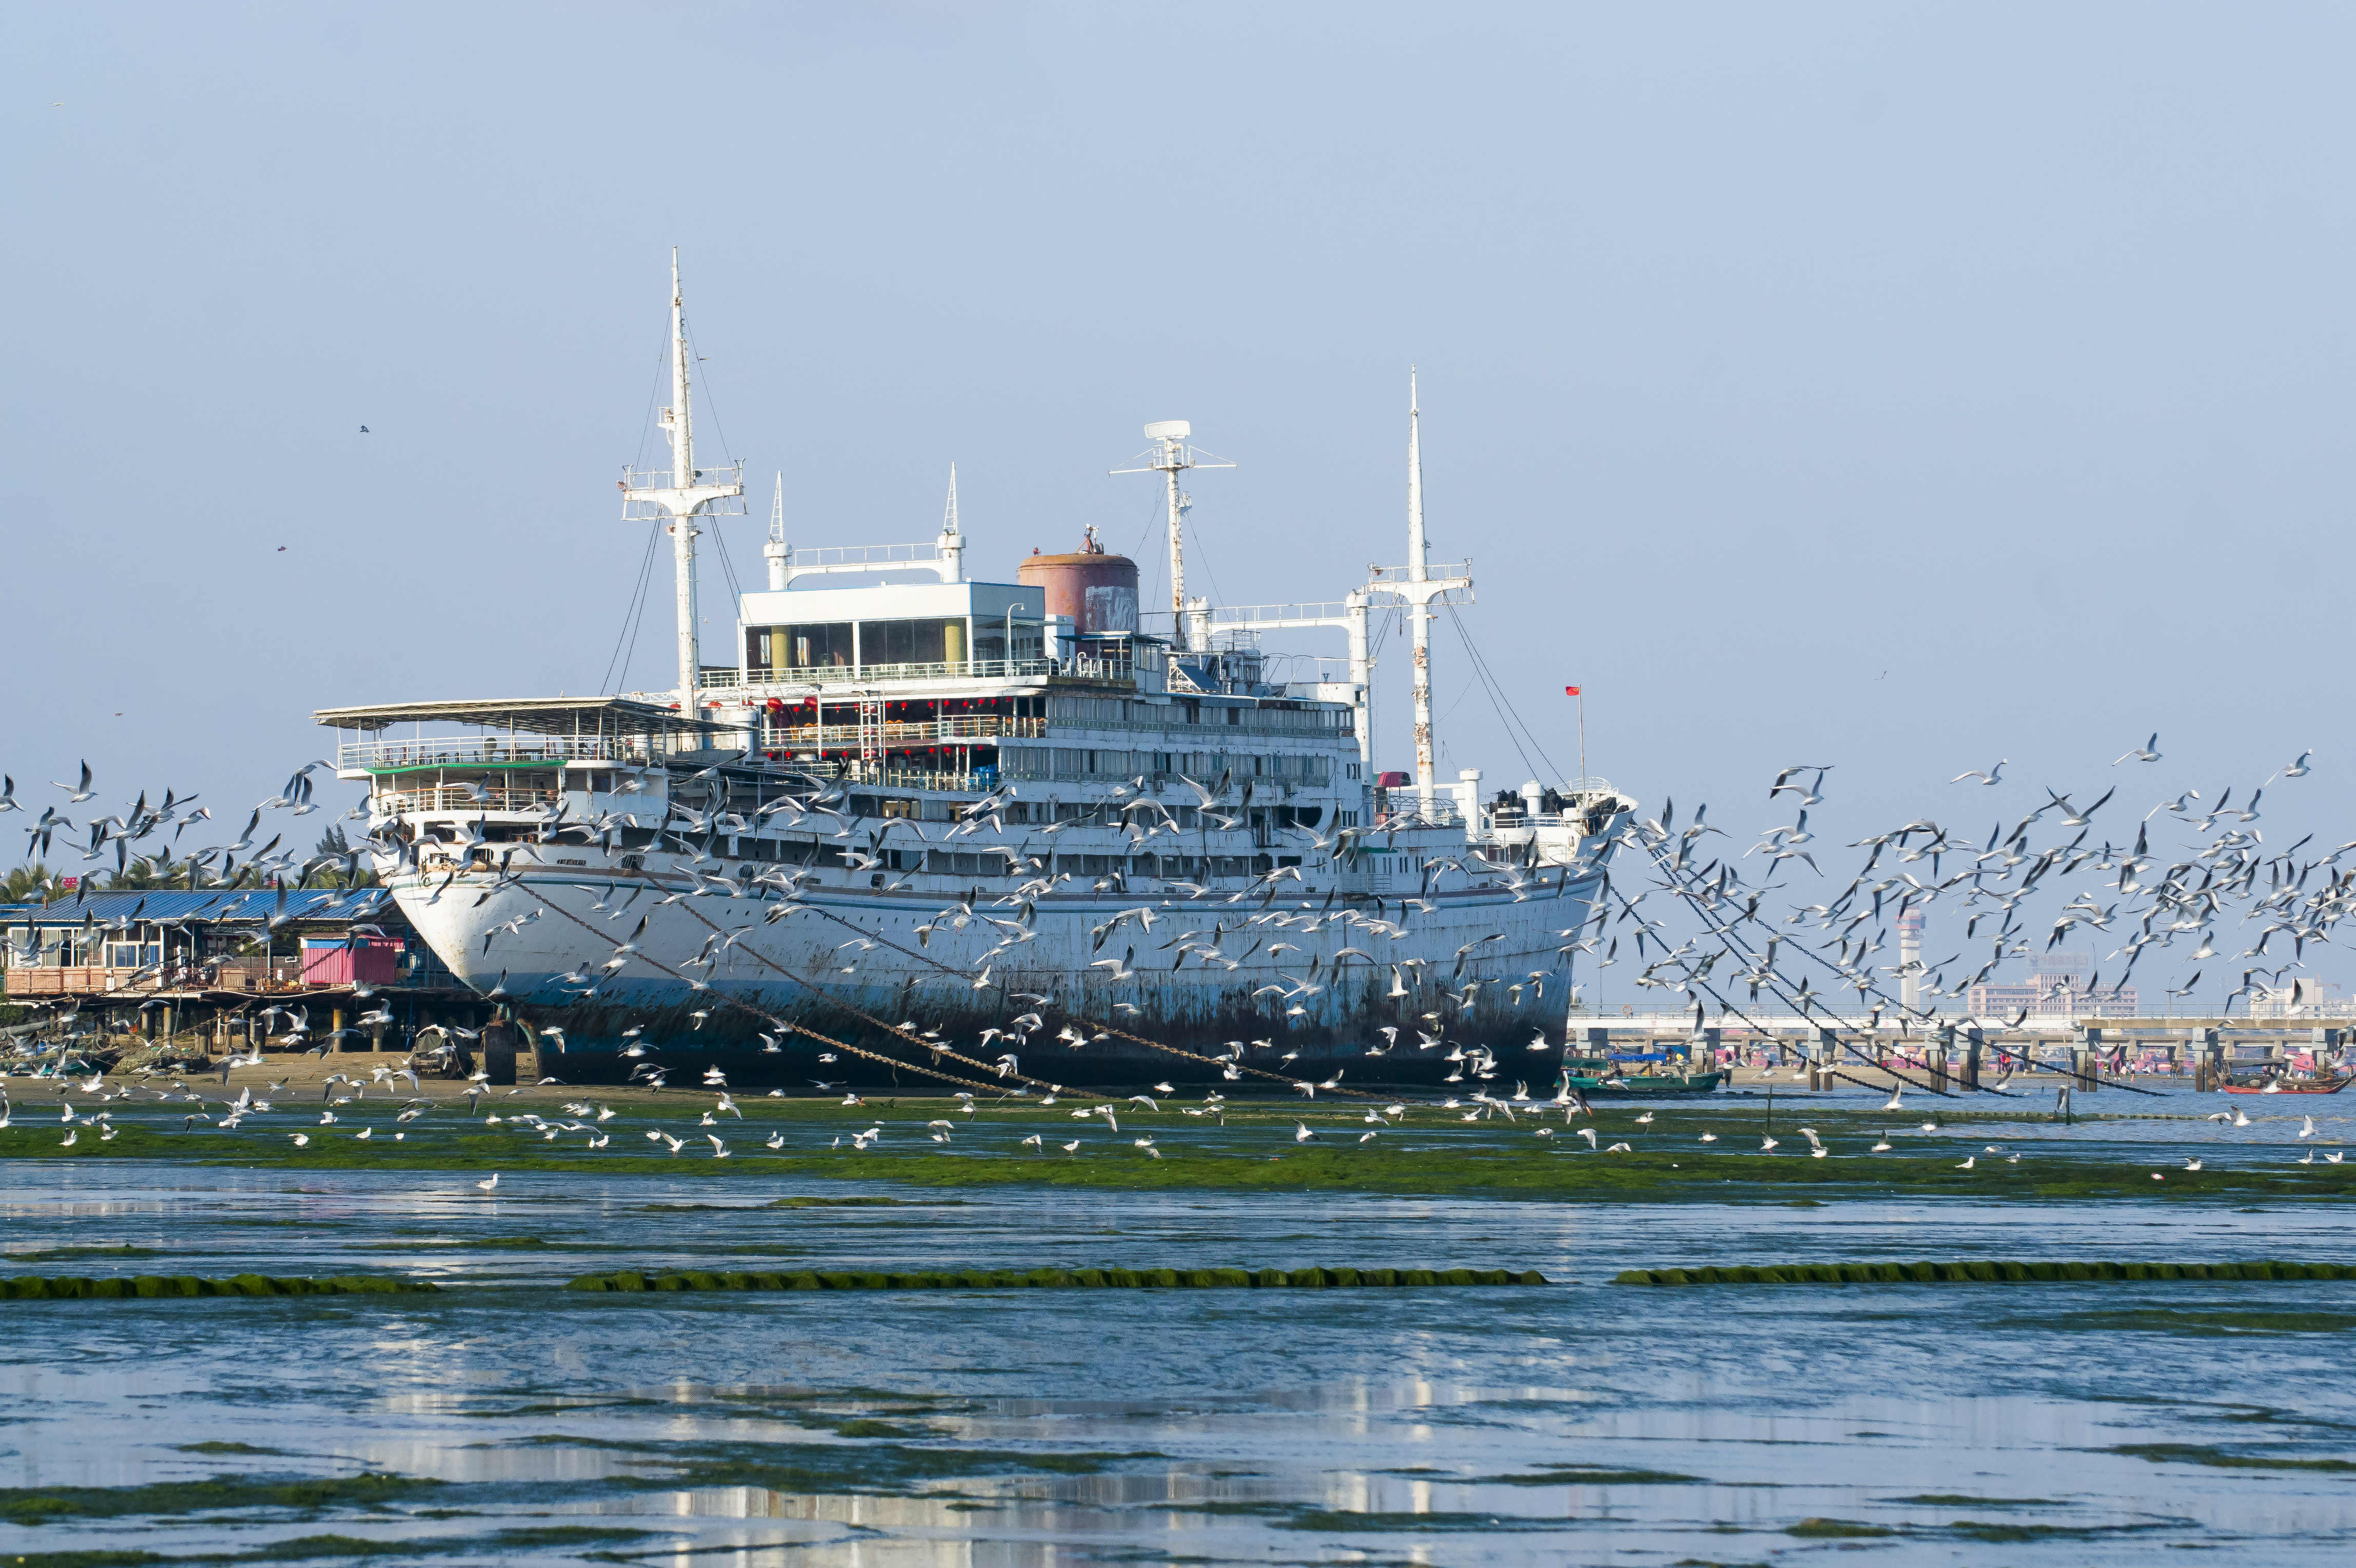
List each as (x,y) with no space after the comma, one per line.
(2300,999)
(2057,987)
(164,942)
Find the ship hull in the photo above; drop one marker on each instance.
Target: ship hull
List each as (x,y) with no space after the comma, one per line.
(761,987)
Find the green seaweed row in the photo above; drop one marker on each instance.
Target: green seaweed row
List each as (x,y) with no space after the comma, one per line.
(1982,1273)
(71,1287)
(1064,1279)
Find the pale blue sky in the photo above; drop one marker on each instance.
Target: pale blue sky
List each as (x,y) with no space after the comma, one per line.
(1903,387)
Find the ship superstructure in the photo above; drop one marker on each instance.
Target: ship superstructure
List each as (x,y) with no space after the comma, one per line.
(1014,820)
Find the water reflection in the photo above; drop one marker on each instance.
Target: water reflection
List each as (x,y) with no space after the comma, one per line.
(1021,1427)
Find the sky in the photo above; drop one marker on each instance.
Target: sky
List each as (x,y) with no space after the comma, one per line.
(1901,388)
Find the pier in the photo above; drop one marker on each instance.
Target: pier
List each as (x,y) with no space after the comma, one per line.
(1957,1056)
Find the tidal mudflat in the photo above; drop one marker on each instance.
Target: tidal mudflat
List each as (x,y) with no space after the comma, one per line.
(504,1419)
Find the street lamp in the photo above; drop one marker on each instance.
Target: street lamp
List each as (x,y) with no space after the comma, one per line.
(1009,670)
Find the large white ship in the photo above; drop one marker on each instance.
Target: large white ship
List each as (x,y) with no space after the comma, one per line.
(935,823)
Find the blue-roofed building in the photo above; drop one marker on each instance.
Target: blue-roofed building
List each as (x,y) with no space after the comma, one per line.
(207,962)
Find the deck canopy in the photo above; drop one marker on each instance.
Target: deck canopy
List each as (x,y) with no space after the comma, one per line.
(529,716)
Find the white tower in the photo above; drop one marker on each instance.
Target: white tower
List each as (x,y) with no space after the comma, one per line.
(1910,959)
(681,493)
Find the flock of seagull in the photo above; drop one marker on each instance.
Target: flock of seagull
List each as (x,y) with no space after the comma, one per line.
(1821,959)
(1713,938)
(345,1100)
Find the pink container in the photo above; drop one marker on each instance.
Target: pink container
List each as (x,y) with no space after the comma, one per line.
(370,961)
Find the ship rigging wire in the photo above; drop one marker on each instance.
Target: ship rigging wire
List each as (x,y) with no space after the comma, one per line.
(1497,698)
(634,614)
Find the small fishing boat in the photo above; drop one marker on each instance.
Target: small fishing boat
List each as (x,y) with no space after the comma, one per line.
(2289,1086)
(1640,1085)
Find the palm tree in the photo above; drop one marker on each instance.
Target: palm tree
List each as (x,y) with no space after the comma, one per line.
(140,875)
(333,841)
(25,884)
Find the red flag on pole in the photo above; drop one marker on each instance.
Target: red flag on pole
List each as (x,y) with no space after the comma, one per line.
(1570,691)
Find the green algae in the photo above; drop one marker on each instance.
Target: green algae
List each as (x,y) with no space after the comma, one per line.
(1590,1475)
(1985,1272)
(313,1548)
(1416,1158)
(632,1282)
(1836,1529)
(121,1287)
(46,1505)
(2225,1459)
(84,1254)
(1957,1501)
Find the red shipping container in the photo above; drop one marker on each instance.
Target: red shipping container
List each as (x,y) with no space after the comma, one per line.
(370,961)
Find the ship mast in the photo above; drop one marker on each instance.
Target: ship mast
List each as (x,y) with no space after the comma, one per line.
(1170,456)
(1419,611)
(681,493)
(1418,588)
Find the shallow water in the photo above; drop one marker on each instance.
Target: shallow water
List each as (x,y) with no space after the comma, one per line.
(1989,1424)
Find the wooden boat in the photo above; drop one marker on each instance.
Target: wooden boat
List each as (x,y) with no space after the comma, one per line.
(2289,1086)
(1643,1085)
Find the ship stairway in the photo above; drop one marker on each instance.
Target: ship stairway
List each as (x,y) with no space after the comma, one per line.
(871,729)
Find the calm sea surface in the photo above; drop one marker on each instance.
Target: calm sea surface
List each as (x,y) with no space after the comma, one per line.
(1577,1421)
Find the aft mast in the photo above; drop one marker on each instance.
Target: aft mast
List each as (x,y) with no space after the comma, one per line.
(681,493)
(1419,588)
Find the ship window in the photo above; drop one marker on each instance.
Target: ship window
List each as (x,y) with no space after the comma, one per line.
(902,641)
(827,642)
(989,639)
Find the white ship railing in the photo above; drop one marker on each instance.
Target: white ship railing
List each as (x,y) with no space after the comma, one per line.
(852,557)
(661,478)
(1384,576)
(904,731)
(877,674)
(459,797)
(949,780)
(491,750)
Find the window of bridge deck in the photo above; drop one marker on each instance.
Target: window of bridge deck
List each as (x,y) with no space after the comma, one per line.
(903,641)
(803,647)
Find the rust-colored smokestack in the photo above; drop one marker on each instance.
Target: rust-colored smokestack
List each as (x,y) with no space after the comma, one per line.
(1098,591)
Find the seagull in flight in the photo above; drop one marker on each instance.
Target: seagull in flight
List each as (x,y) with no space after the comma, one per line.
(1993,776)
(2147,752)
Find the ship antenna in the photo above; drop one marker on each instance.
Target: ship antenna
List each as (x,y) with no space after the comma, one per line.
(681,492)
(1171,456)
(776,550)
(948,550)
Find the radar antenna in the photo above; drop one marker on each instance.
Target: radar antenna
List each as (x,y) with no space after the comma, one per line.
(1171,456)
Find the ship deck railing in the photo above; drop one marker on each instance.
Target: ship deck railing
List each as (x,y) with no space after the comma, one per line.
(906,732)
(1401,820)
(466,798)
(492,751)
(950,781)
(938,669)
